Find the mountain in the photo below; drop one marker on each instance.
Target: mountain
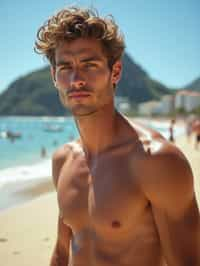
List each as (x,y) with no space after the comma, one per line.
(194,86)
(34,94)
(136,84)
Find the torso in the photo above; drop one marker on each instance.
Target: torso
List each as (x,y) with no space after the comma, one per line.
(103,203)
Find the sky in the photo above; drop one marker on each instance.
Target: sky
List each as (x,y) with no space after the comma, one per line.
(161,36)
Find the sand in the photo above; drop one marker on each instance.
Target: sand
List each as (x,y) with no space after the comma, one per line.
(193,157)
(16,193)
(28,231)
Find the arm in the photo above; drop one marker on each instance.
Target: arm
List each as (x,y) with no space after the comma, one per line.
(61,251)
(60,254)
(175,208)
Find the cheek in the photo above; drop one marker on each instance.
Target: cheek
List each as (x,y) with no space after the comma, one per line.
(102,84)
(62,79)
(62,97)
(105,91)
(102,74)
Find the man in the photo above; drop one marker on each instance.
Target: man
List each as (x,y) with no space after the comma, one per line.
(196,131)
(171,130)
(121,202)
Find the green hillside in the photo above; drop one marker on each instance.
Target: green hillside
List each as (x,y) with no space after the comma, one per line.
(195,85)
(34,94)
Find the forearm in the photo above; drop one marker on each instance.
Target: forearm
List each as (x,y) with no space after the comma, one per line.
(58,258)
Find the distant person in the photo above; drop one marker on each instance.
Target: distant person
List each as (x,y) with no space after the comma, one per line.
(171,130)
(120,202)
(43,152)
(189,129)
(196,131)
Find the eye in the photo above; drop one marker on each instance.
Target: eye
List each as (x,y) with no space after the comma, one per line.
(90,65)
(65,68)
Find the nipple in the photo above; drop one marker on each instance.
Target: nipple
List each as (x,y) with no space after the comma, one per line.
(116,224)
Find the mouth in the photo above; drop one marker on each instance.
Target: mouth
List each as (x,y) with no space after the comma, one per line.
(78,94)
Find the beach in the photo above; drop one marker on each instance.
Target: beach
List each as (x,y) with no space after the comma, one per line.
(28,231)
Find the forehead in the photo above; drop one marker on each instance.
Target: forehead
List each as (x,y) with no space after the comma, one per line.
(80,48)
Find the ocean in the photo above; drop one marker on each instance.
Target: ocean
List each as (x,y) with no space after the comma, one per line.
(27,158)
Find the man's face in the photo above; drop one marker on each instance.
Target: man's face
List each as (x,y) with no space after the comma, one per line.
(82,76)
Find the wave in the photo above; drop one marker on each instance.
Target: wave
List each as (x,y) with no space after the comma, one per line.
(25,172)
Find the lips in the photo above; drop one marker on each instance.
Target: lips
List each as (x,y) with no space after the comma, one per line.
(78,94)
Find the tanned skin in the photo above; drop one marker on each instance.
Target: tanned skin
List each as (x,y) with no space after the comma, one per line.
(125,194)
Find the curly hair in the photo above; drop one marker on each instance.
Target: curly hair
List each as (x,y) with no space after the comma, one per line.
(73,23)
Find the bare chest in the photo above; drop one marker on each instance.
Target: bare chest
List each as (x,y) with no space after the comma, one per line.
(105,195)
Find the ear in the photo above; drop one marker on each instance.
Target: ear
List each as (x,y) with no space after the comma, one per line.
(53,75)
(116,72)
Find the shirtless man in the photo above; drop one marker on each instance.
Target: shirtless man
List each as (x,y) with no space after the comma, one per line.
(121,203)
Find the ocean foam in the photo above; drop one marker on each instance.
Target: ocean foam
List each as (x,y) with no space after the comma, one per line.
(25,172)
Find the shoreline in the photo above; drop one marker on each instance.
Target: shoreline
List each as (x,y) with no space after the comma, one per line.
(17,194)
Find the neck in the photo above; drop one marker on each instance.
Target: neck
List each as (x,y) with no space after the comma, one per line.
(98,130)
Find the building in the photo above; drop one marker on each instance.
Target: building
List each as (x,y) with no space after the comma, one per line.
(149,108)
(187,100)
(167,104)
(164,106)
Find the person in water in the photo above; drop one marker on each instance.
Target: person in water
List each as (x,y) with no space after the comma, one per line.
(125,194)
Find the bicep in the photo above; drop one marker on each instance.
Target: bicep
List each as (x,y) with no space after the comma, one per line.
(172,186)
(58,160)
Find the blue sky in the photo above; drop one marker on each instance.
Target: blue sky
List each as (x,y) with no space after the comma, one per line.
(161,36)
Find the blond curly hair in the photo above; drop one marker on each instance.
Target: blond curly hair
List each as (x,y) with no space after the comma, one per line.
(73,23)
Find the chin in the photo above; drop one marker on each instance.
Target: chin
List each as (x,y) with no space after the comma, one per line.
(83,114)
(80,111)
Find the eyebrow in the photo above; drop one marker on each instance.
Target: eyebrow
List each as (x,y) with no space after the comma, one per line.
(91,58)
(84,60)
(61,63)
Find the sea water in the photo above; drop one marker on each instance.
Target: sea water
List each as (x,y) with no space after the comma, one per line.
(21,158)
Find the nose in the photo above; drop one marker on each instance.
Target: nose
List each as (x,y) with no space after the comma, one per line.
(76,80)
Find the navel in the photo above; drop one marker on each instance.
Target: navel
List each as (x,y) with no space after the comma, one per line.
(116,224)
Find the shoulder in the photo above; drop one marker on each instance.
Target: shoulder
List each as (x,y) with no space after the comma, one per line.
(168,176)
(61,156)
(61,153)
(58,159)
(165,155)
